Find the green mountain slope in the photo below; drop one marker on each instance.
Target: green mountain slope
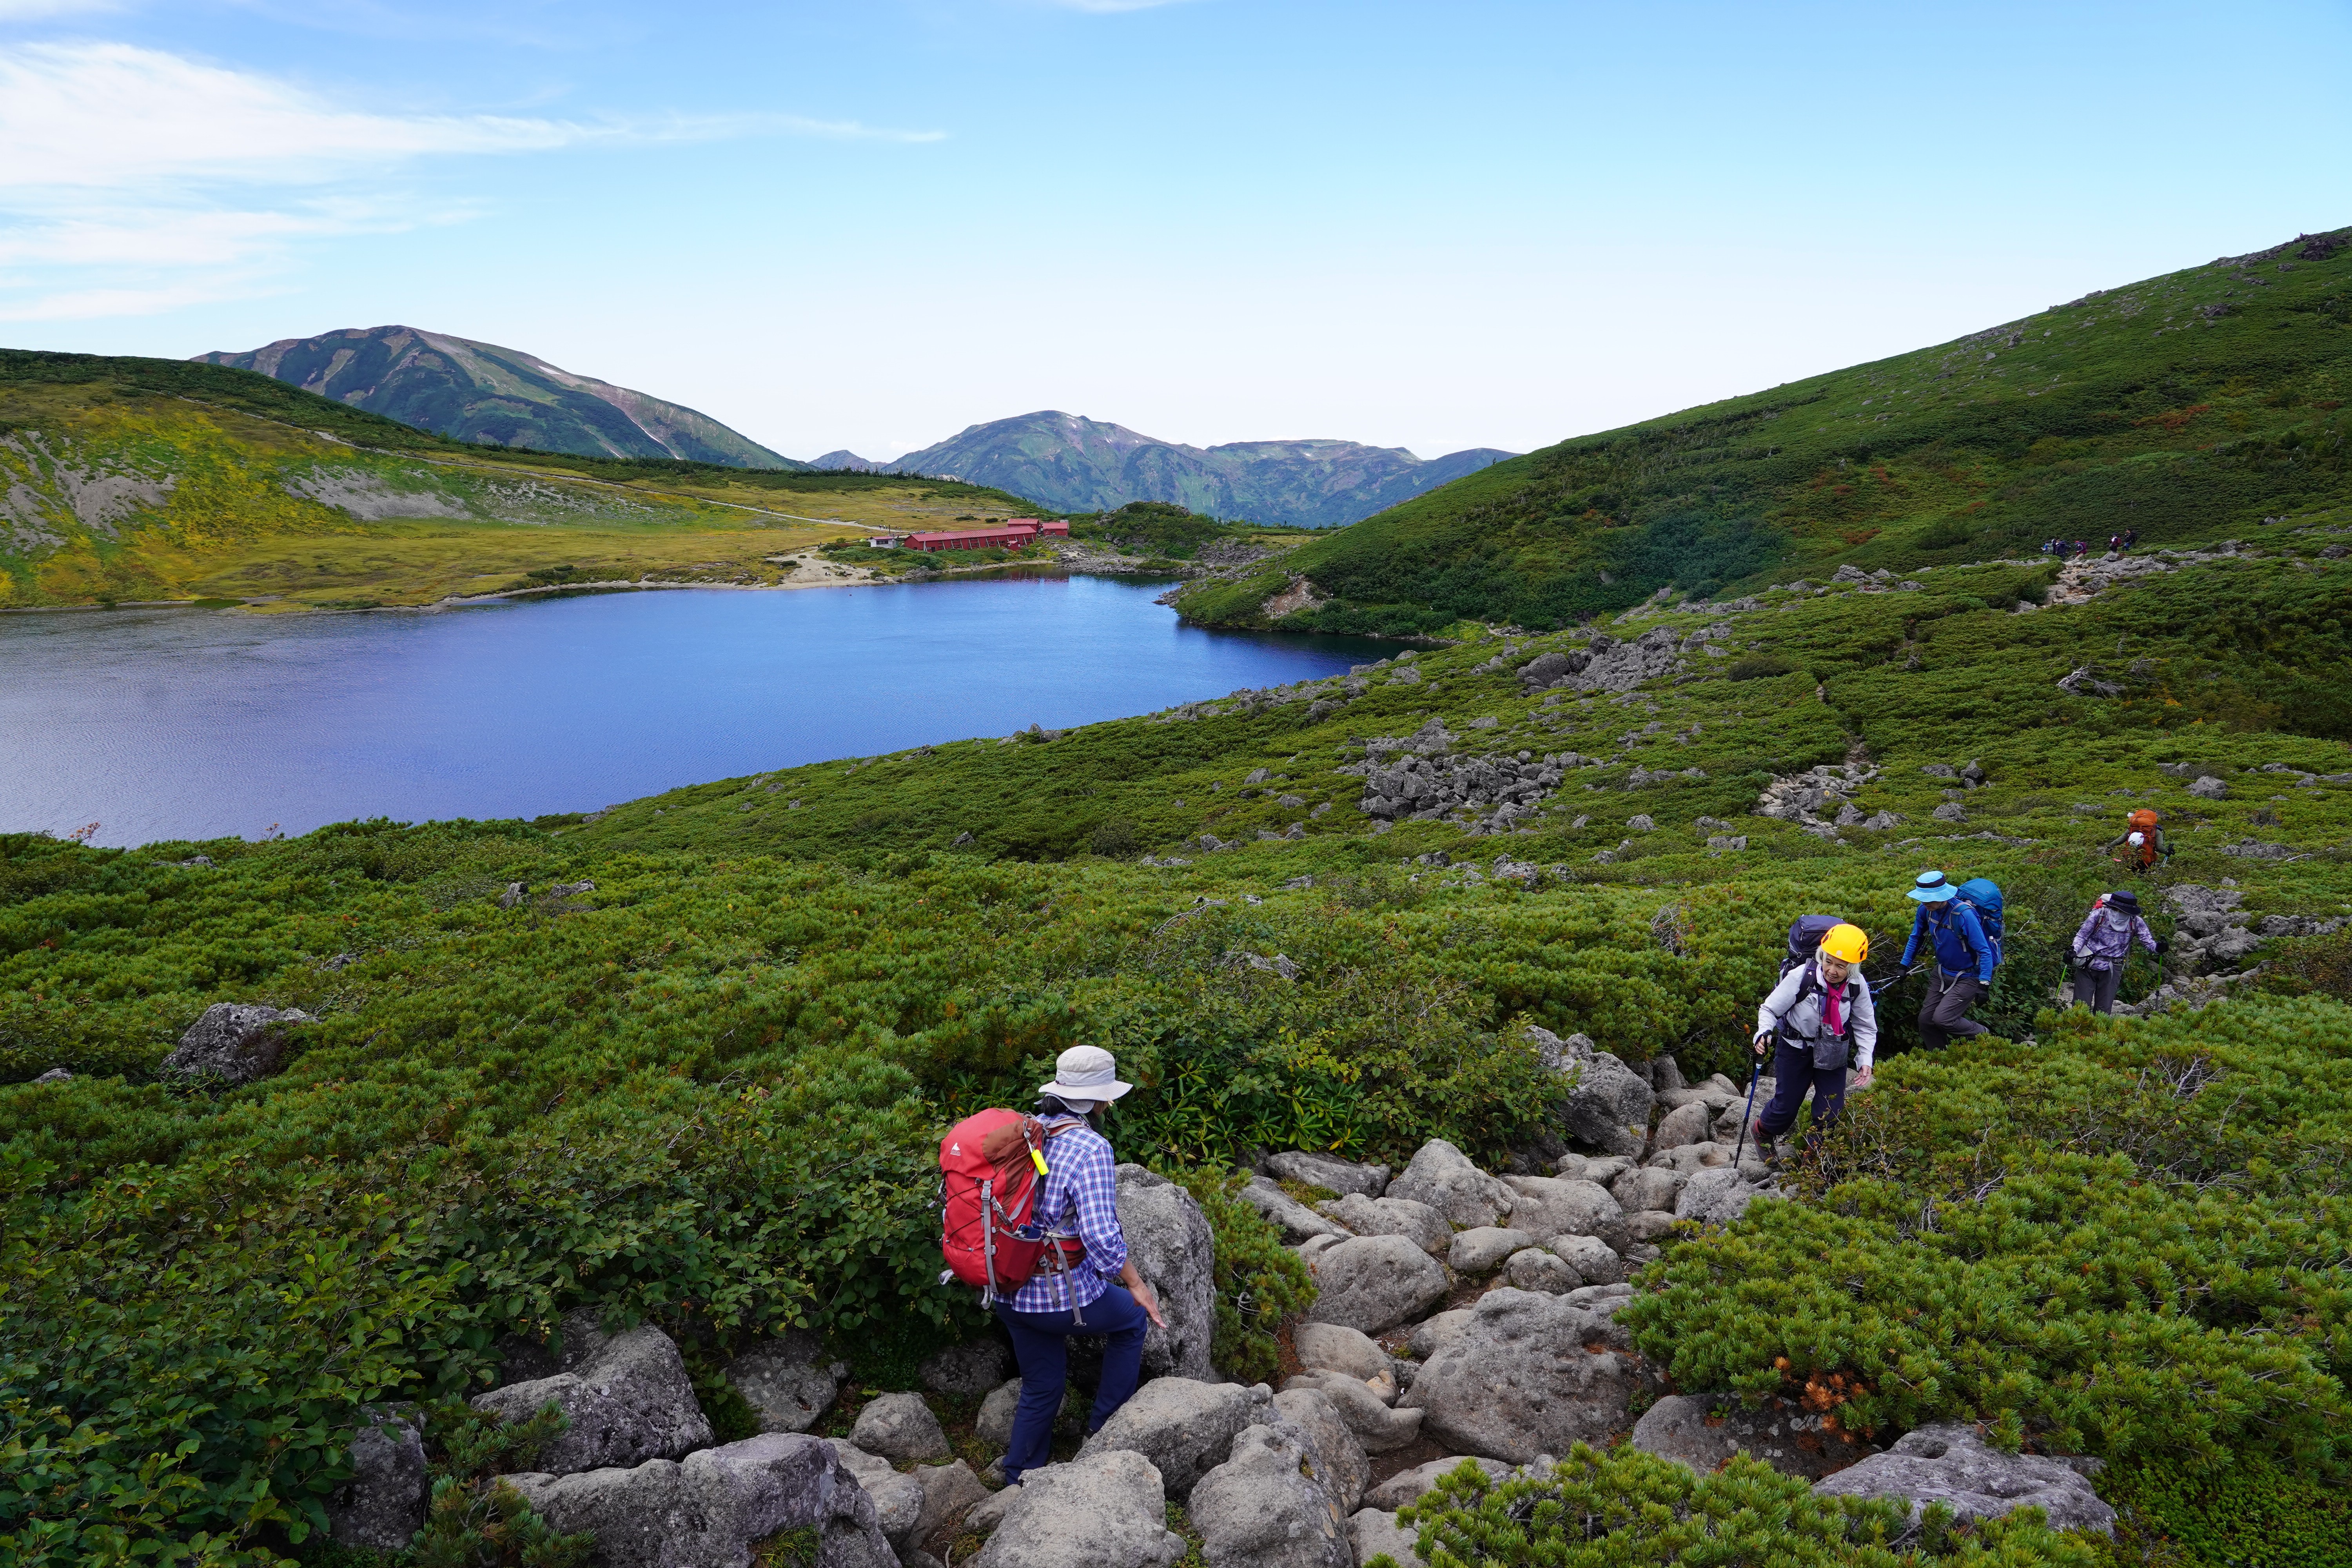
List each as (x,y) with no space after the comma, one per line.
(1074,464)
(472,391)
(2209,398)
(125,478)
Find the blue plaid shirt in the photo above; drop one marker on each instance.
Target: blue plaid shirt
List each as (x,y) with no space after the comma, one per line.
(1081,1199)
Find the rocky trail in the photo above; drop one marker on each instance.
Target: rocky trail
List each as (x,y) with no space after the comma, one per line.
(1464,1314)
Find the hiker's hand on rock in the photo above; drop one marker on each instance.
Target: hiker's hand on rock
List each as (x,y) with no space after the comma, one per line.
(1145,1299)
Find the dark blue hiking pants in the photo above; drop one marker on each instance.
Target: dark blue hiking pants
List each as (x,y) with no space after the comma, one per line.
(1041,1341)
(1793,1072)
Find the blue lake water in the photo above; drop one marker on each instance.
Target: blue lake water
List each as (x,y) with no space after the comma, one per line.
(186,724)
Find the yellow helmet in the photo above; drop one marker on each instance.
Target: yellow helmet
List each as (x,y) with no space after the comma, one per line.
(1847,944)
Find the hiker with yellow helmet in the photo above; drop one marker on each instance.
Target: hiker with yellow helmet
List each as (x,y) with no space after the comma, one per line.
(1821,1014)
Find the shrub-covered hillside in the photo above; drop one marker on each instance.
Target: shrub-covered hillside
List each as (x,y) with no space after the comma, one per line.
(126,479)
(703,1090)
(2209,398)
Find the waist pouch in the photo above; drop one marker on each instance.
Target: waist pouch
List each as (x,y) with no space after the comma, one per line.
(1829,1051)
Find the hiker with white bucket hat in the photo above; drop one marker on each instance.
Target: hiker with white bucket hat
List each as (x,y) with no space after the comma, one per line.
(1100,1291)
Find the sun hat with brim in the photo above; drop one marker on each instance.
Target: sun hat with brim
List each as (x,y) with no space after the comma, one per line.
(1086,1072)
(1930,887)
(2124,898)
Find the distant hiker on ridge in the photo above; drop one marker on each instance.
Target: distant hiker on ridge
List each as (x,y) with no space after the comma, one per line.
(1961,959)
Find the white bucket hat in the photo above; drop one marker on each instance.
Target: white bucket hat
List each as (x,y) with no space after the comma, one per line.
(1086,1072)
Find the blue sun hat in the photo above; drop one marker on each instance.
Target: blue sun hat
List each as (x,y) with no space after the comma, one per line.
(1930,887)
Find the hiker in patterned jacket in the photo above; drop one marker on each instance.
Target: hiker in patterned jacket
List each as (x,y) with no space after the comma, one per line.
(1098,1292)
(2102,946)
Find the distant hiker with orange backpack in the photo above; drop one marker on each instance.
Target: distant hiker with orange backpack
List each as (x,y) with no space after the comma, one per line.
(2102,946)
(1821,1014)
(1962,952)
(2142,844)
(1021,1191)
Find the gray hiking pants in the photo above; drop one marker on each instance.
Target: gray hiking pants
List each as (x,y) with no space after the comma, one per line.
(1945,1012)
(2096,988)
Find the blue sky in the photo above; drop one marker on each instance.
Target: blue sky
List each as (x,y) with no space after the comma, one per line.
(867,226)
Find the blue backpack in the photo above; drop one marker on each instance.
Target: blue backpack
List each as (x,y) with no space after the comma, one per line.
(1982,894)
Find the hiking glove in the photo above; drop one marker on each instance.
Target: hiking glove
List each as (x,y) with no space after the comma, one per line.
(2161,946)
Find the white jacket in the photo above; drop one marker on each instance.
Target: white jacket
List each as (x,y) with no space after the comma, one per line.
(1802,1020)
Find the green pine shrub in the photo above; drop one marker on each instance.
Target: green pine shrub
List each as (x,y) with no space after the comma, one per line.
(1627,1508)
(2126,1240)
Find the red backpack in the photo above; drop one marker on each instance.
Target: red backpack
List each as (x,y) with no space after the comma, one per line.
(990,1167)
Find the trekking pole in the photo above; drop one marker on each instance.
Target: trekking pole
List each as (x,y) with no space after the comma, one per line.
(1755,1077)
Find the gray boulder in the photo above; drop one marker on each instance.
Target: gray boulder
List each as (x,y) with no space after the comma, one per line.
(382,1506)
(1099,1511)
(1519,1380)
(1296,1222)
(1688,1123)
(1170,1244)
(900,1426)
(897,1498)
(1441,1176)
(1648,1187)
(949,1492)
(1264,1508)
(1185,1428)
(1335,1175)
(1553,1206)
(788,1380)
(1479,1252)
(1441,1330)
(995,1422)
(54,1075)
(1376,1428)
(236,1041)
(1949,1463)
(2209,788)
(1590,1258)
(1408,1486)
(1372,1283)
(1535,1270)
(1787,1437)
(706,1512)
(626,1397)
(1417,1223)
(1374,1532)
(967,1371)
(1330,1347)
(1607,1104)
(1648,1226)
(1340,1465)
(1716,1196)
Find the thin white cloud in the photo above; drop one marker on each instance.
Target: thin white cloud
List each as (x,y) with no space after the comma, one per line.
(43,10)
(198,177)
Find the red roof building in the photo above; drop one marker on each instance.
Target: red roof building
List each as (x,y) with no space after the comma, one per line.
(1010,534)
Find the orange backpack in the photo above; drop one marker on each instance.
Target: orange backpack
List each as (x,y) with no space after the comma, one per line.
(2142,822)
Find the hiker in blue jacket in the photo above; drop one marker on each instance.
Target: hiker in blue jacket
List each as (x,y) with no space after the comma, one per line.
(1961,973)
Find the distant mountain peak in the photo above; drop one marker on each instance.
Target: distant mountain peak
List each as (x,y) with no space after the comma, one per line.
(1072,463)
(473,391)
